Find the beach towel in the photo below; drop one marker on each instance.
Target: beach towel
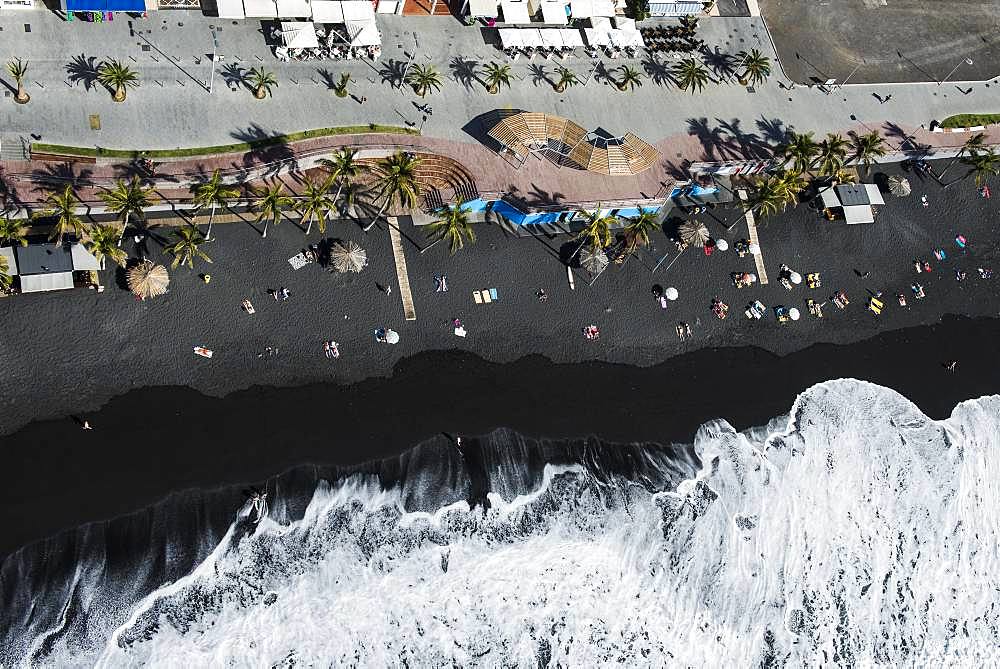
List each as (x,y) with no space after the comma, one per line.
(477,297)
(486,296)
(493,294)
(460,331)
(444,283)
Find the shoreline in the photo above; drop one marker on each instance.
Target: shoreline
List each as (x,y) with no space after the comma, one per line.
(61,477)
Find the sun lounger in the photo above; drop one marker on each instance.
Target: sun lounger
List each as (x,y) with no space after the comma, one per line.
(486,296)
(875,305)
(477,297)
(493,294)
(203,352)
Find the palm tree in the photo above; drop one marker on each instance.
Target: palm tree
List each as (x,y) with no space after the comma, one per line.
(127,199)
(272,203)
(691,75)
(832,154)
(117,77)
(769,197)
(13,231)
(62,207)
(187,246)
(597,230)
(757,67)
(630,77)
(103,242)
(343,167)
(454,226)
(972,144)
(6,280)
(397,178)
(982,165)
(340,89)
(18,69)
(801,149)
(637,229)
(495,76)
(424,79)
(351,193)
(790,183)
(261,81)
(867,148)
(566,79)
(213,193)
(316,203)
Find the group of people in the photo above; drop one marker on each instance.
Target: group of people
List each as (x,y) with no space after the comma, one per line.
(331,349)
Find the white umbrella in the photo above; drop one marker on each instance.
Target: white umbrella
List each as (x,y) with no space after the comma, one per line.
(148,280)
(670,293)
(753,277)
(391,336)
(754,249)
(795,277)
(794,314)
(899,186)
(348,257)
(594,259)
(722,244)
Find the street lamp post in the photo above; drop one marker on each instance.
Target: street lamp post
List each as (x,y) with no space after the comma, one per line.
(215,49)
(967,61)
(852,73)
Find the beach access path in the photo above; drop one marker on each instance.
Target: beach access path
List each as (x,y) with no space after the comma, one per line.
(173,108)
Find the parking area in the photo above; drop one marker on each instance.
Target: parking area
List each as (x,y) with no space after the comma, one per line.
(886,41)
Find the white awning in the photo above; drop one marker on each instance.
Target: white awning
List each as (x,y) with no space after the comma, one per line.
(511,38)
(299,35)
(603,8)
(327,11)
(294,9)
(624,38)
(874,194)
(531,36)
(483,8)
(859,213)
(571,38)
(8,253)
(581,9)
(675,8)
(623,23)
(358,10)
(364,33)
(829,197)
(602,23)
(596,37)
(83,259)
(554,13)
(230,9)
(37,283)
(260,9)
(551,39)
(515,12)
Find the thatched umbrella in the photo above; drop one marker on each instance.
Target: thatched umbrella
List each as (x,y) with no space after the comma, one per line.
(348,257)
(148,280)
(899,186)
(693,233)
(593,259)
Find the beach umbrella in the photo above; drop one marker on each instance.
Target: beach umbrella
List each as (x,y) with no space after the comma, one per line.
(752,277)
(594,259)
(148,280)
(795,277)
(693,233)
(348,257)
(899,186)
(794,314)
(670,293)
(391,336)
(754,249)
(722,244)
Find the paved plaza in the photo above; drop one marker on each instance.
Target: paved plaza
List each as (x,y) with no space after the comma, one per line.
(874,41)
(172,107)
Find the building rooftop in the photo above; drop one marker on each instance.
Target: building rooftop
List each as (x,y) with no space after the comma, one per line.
(45,258)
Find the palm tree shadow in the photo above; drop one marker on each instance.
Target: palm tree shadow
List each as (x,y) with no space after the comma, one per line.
(393,72)
(9,197)
(658,73)
(602,74)
(234,75)
(711,139)
(539,75)
(329,80)
(906,141)
(269,151)
(83,70)
(60,174)
(748,142)
(773,130)
(466,71)
(537,197)
(721,64)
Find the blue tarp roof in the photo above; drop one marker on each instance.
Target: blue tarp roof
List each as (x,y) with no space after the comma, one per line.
(105,5)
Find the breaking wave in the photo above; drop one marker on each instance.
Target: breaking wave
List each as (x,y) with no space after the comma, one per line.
(855,531)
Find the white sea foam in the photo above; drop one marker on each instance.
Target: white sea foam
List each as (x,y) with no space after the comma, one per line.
(860,533)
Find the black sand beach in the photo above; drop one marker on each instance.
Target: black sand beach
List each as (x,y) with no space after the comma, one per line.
(155,441)
(177,420)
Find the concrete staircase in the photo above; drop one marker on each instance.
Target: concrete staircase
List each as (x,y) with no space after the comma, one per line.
(14,147)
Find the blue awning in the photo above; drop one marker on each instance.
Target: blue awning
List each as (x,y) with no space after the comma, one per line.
(105,5)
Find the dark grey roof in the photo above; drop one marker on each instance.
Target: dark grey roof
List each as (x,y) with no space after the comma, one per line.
(852,194)
(44,258)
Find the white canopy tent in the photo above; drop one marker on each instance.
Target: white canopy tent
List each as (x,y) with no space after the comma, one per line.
(571,38)
(37,283)
(484,8)
(624,24)
(364,33)
(83,260)
(357,10)
(515,12)
(294,9)
(230,9)
(554,12)
(596,37)
(581,9)
(511,38)
(327,11)
(299,35)
(260,9)
(601,23)
(624,38)
(551,38)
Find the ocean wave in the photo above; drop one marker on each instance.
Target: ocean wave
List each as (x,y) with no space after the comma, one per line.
(854,531)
